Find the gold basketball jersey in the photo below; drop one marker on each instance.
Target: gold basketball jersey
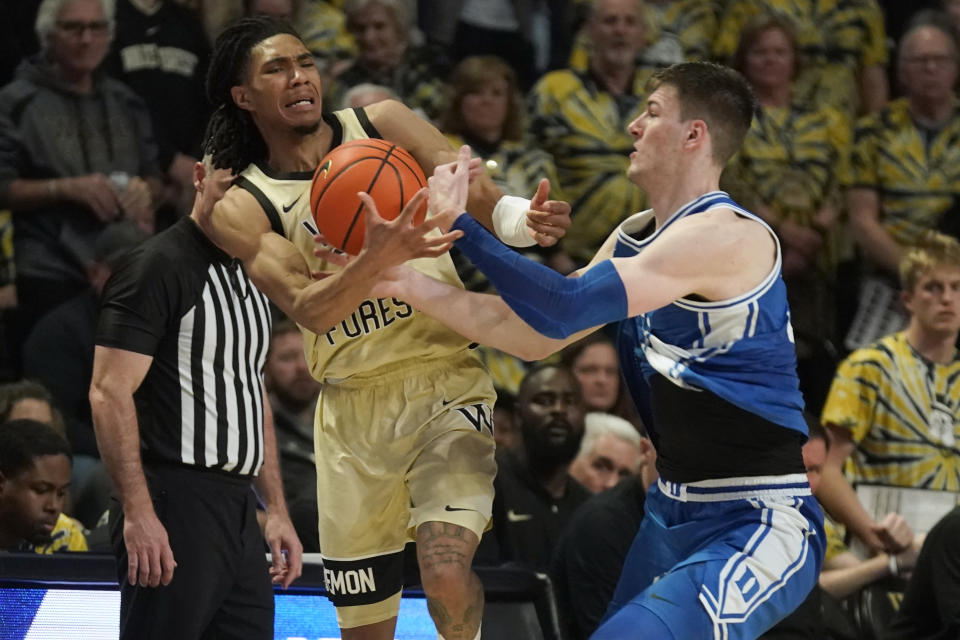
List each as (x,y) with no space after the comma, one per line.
(381,331)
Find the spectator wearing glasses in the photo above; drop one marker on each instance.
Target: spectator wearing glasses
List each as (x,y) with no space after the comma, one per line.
(76,152)
(904,172)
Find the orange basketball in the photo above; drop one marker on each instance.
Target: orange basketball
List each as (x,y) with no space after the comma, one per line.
(387,172)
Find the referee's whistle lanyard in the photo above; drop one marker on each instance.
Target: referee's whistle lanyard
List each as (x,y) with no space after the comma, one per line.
(238,288)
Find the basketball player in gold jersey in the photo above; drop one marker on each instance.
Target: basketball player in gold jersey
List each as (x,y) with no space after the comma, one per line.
(403,430)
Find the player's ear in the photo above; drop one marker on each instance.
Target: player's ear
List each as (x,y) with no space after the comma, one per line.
(240,97)
(199,173)
(906,299)
(696,132)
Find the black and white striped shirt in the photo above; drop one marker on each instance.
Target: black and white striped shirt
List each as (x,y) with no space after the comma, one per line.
(181,300)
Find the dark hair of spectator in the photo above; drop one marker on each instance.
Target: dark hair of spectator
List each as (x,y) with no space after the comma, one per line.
(716,94)
(523,393)
(283,325)
(232,137)
(757,27)
(570,353)
(23,441)
(471,76)
(623,406)
(13,392)
(294,7)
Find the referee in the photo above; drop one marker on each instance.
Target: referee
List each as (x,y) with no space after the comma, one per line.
(184,428)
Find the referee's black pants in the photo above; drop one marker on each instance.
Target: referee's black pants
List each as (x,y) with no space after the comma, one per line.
(221,588)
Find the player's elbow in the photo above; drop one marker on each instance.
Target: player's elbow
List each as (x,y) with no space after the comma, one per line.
(305,311)
(535,347)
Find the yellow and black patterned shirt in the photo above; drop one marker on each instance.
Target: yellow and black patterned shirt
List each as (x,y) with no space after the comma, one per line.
(789,161)
(835,539)
(585,130)
(916,173)
(323,29)
(692,22)
(838,39)
(67,535)
(515,166)
(675,31)
(904,414)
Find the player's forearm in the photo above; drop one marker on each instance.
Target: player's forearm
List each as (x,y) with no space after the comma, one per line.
(481,318)
(321,304)
(554,305)
(268,482)
(118,439)
(482,199)
(840,583)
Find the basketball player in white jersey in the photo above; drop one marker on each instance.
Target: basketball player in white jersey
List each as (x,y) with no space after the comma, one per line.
(403,425)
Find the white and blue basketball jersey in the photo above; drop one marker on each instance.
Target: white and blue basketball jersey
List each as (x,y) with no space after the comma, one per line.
(731,524)
(740,349)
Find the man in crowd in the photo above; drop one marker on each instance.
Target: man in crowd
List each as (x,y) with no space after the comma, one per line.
(611,450)
(76,152)
(581,117)
(293,397)
(34,478)
(535,496)
(894,406)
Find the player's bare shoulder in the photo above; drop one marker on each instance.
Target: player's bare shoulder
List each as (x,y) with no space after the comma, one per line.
(236,222)
(726,252)
(722,231)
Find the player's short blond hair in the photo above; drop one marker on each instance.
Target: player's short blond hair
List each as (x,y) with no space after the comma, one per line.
(931,251)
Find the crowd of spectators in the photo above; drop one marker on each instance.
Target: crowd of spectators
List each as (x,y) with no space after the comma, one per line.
(853,159)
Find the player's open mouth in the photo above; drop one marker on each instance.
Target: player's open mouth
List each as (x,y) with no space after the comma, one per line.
(302,102)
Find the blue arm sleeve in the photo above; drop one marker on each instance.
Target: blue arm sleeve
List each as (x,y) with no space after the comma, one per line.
(553,304)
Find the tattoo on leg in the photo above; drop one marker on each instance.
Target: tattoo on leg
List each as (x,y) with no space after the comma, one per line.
(467,626)
(446,549)
(442,543)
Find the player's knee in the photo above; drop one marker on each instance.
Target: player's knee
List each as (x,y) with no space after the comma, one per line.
(445,552)
(439,580)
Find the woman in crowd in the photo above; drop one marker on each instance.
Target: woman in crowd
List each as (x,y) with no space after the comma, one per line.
(786,173)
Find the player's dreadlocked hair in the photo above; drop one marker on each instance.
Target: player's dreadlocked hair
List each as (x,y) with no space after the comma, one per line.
(231,135)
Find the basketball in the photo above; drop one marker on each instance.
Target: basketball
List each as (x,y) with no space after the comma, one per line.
(387,172)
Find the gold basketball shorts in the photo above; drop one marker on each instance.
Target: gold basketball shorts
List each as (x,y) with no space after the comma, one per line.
(410,444)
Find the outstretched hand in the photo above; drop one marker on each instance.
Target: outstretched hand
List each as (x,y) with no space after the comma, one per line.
(389,282)
(548,219)
(449,186)
(393,242)
(389,243)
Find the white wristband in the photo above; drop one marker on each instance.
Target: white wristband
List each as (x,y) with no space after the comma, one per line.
(510,221)
(894,567)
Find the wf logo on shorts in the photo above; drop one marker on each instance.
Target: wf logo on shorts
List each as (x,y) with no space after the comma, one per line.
(478,415)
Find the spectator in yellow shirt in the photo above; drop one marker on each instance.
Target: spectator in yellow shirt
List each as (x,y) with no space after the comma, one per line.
(34,478)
